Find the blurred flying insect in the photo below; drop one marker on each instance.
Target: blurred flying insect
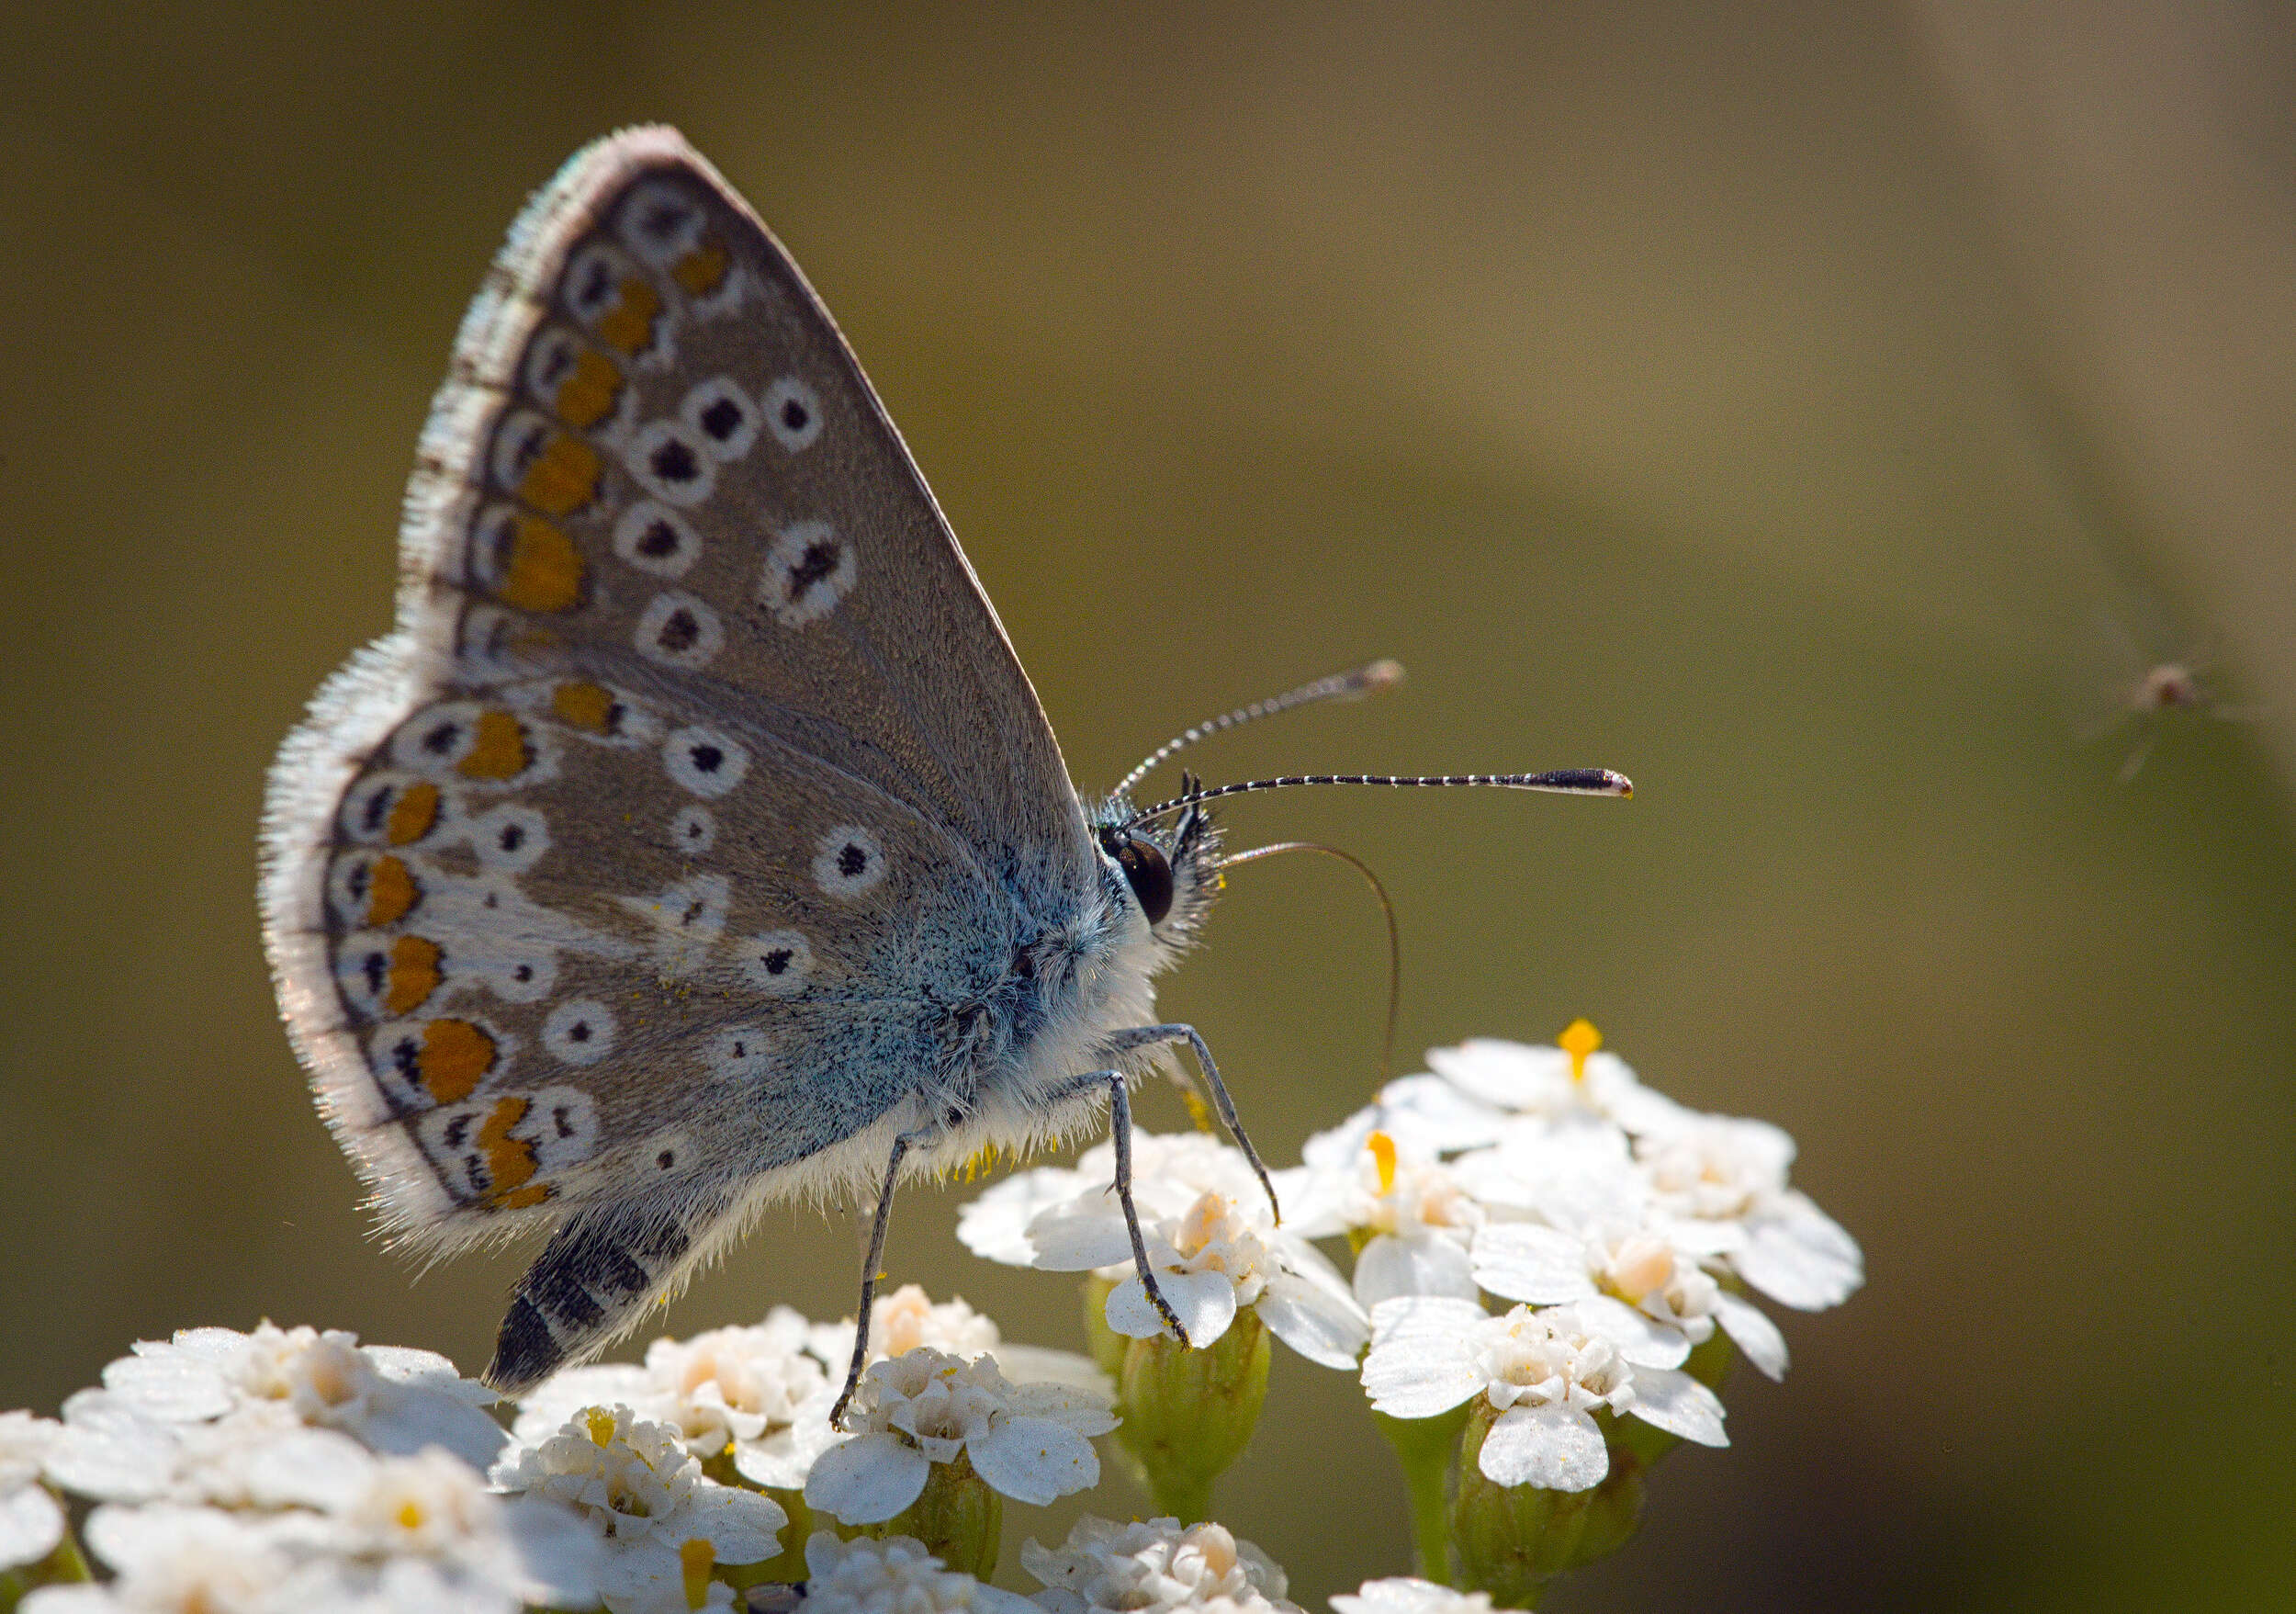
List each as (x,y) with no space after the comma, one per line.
(2151,694)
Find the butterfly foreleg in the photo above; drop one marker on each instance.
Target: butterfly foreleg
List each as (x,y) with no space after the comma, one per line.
(1148,1036)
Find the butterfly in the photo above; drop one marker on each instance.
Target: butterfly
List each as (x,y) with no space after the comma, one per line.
(696,840)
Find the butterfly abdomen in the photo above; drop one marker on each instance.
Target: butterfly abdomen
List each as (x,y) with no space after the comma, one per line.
(590,1282)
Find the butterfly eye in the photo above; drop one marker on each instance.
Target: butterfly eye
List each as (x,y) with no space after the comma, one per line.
(1148,872)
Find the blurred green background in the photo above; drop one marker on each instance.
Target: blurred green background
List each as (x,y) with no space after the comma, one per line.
(1763,401)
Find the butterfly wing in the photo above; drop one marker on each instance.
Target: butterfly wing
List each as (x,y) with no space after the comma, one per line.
(630,878)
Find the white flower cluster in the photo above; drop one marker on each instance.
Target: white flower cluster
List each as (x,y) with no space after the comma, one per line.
(1155,1567)
(284,1469)
(1624,1225)
(289,1469)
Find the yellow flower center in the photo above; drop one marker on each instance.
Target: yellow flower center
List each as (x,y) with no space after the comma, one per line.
(1578,1039)
(695,1557)
(1382,1149)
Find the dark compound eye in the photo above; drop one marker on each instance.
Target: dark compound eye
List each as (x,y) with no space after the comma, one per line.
(1146,869)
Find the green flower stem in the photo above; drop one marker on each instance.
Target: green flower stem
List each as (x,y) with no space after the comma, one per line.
(1107,1346)
(1424,1446)
(65,1565)
(1189,1414)
(1710,1363)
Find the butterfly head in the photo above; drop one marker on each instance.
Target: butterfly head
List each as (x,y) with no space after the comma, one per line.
(1168,868)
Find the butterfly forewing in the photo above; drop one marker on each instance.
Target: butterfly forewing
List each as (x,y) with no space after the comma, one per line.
(664,811)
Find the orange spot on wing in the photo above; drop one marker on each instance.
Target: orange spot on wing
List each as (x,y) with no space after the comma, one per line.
(629,324)
(584,705)
(414,973)
(413,815)
(500,752)
(543,569)
(390,891)
(561,480)
(510,1161)
(455,1058)
(520,1198)
(587,396)
(700,271)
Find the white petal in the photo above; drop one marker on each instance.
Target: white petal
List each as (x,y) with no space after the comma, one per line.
(867,1479)
(173,1387)
(299,1467)
(774,1461)
(68,1599)
(1502,1074)
(1321,1326)
(405,1364)
(1085,1411)
(1077,1238)
(1641,1338)
(110,1451)
(1751,1330)
(1420,1362)
(1432,1117)
(1204,1302)
(1391,1267)
(1525,1262)
(30,1526)
(1553,1447)
(994,1226)
(1680,1404)
(559,1553)
(1037,1364)
(1800,1257)
(740,1526)
(1315,1199)
(1034,1460)
(403,1421)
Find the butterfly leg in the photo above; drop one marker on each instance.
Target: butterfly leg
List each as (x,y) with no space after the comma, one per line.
(1147,1035)
(1120,1135)
(901,1144)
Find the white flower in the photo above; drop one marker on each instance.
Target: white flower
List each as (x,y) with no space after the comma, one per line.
(177,1560)
(1405,1594)
(1153,1566)
(387,1398)
(260,1454)
(1212,1239)
(1409,1215)
(755,1389)
(895,1575)
(1716,1169)
(30,1521)
(907,1318)
(1562,1084)
(1028,1441)
(423,1534)
(650,1498)
(1652,1266)
(1544,1373)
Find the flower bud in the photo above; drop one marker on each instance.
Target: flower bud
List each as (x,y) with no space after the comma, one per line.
(957,1517)
(1512,1540)
(1189,1414)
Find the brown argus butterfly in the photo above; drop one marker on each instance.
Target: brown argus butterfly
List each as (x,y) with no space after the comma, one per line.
(696,840)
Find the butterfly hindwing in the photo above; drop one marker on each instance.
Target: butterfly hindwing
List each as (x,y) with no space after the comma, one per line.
(621,875)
